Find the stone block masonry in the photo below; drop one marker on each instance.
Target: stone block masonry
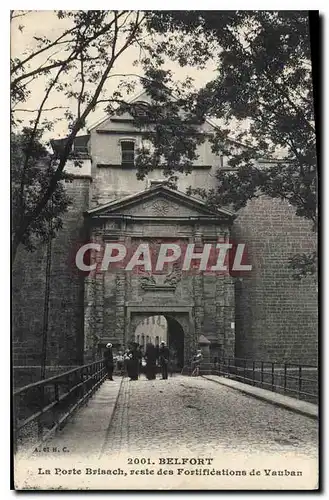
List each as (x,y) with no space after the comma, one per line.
(276,316)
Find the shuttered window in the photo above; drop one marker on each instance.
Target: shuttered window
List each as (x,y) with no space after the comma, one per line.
(127,153)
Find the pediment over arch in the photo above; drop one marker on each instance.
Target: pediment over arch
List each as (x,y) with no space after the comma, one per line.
(160,202)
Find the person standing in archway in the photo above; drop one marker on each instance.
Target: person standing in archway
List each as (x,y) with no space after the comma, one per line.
(108,360)
(133,362)
(173,360)
(151,357)
(140,357)
(164,359)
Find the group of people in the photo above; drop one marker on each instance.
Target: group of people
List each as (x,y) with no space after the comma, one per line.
(132,360)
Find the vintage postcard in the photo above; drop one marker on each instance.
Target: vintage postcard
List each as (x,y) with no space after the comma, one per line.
(164,250)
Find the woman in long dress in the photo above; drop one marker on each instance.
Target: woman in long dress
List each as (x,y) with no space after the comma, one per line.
(151,357)
(126,359)
(133,362)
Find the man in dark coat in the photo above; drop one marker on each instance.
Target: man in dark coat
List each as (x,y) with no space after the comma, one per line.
(133,363)
(164,359)
(151,357)
(108,360)
(140,354)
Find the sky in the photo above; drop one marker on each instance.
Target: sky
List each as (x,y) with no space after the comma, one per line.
(46,23)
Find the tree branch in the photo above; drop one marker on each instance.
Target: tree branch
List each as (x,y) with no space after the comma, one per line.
(74,55)
(20,110)
(82,86)
(40,51)
(12,16)
(28,154)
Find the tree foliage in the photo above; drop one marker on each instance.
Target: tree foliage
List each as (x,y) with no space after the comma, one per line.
(28,183)
(263,86)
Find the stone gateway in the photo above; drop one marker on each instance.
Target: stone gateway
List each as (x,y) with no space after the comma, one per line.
(135,220)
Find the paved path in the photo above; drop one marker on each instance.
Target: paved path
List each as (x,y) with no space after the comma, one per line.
(186,417)
(205,415)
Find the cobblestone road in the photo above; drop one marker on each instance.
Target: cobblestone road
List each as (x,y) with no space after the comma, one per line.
(200,415)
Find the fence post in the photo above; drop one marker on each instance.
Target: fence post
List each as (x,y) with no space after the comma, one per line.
(87,378)
(77,380)
(98,375)
(82,391)
(68,382)
(299,380)
(92,374)
(56,391)
(41,405)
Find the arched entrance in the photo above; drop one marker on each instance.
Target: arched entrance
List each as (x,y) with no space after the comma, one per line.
(175,333)
(152,329)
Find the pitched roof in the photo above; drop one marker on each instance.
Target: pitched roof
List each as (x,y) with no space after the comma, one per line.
(152,192)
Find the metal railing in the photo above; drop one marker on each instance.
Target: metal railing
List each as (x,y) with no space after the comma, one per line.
(42,408)
(291,379)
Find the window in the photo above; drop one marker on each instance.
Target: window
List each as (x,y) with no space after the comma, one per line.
(127,153)
(156,183)
(80,145)
(77,149)
(151,183)
(139,109)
